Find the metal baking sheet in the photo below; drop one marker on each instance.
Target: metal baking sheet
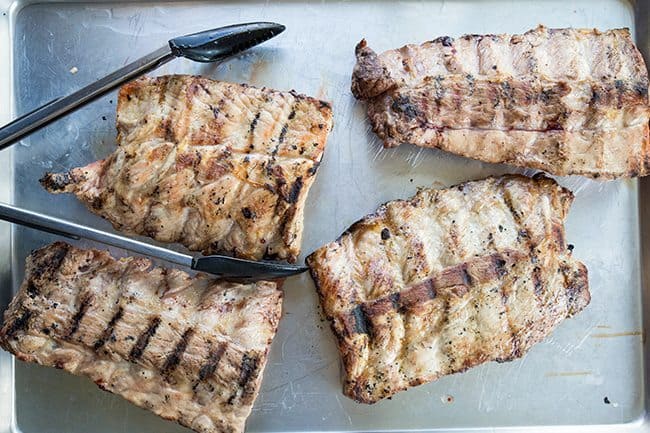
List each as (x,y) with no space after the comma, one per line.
(589,375)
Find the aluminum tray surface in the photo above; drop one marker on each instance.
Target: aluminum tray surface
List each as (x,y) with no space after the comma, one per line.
(588,373)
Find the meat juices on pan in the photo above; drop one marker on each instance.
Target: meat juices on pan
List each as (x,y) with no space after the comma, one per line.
(566,101)
(447,280)
(191,350)
(218,167)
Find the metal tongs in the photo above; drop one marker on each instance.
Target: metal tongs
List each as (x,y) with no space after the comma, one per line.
(223,266)
(208,46)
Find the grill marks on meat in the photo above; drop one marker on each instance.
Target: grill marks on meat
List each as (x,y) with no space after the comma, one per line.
(473,273)
(566,101)
(218,167)
(143,339)
(188,349)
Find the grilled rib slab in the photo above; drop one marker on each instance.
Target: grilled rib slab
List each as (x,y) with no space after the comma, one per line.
(447,280)
(567,101)
(189,349)
(218,167)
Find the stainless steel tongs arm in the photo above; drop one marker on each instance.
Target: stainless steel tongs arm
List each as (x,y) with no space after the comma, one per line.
(59,107)
(222,266)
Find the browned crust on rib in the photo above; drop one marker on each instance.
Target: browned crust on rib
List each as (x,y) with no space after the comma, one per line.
(370,77)
(410,301)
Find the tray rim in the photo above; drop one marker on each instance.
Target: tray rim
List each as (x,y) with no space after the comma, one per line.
(7,411)
(9,10)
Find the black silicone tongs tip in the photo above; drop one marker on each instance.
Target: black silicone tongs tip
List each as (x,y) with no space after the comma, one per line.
(240,269)
(218,44)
